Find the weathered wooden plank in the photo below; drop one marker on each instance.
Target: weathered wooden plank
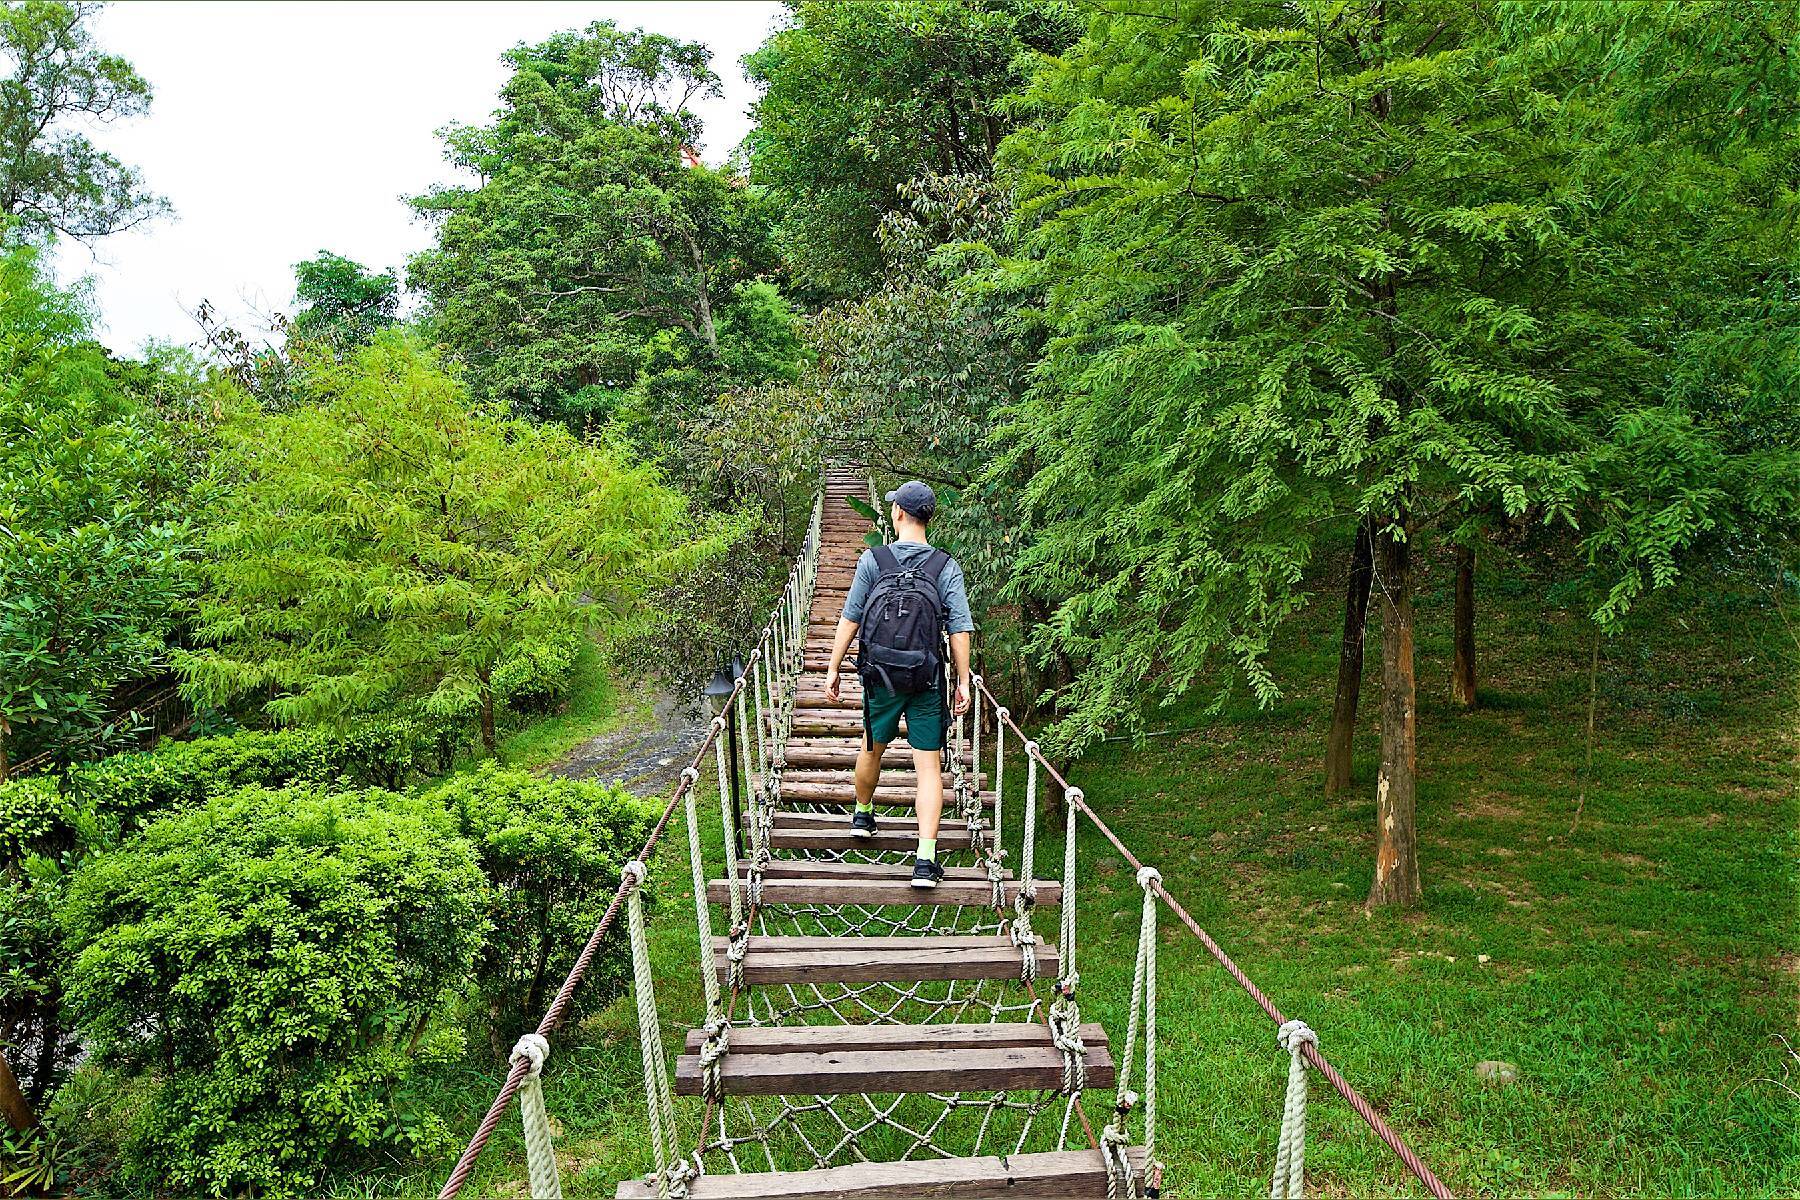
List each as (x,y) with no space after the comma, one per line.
(817,1039)
(895,891)
(1052,1175)
(891,776)
(776,960)
(806,868)
(845,793)
(853,1069)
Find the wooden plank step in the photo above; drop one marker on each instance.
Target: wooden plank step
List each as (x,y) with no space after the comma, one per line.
(887,885)
(844,793)
(831,831)
(891,776)
(812,868)
(813,753)
(1051,1175)
(837,1060)
(777,960)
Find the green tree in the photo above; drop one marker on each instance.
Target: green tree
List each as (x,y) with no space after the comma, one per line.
(593,267)
(389,543)
(1306,266)
(341,302)
(859,98)
(89,540)
(54,180)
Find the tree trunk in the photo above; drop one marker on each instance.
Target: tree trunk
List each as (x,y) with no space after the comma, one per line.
(702,294)
(13,1106)
(1340,742)
(1396,839)
(488,743)
(1462,672)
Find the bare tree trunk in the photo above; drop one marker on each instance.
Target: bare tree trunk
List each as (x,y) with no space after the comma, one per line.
(702,294)
(1396,839)
(1340,743)
(488,742)
(1462,672)
(13,1106)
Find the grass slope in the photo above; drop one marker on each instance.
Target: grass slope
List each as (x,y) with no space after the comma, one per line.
(1641,972)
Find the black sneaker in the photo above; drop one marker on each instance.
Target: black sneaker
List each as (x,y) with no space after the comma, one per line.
(862,824)
(926,873)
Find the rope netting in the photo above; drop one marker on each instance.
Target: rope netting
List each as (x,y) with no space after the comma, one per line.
(737,1134)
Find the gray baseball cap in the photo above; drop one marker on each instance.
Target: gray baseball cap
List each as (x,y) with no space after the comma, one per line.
(915,498)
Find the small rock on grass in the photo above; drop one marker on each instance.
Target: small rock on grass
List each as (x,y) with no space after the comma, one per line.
(1495,1072)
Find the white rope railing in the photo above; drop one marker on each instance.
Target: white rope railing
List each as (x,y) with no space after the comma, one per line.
(1290,1151)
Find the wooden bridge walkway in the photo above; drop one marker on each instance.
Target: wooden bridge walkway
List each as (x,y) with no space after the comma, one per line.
(816,863)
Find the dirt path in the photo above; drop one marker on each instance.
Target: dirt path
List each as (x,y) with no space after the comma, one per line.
(645,756)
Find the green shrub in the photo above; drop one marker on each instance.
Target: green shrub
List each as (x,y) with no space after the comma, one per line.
(552,850)
(535,676)
(271,959)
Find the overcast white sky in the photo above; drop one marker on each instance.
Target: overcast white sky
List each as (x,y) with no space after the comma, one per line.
(281,129)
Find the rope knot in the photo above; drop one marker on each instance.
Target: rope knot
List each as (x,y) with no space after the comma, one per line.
(1074,795)
(718,724)
(1148,877)
(635,872)
(534,1049)
(1004,713)
(1295,1034)
(1031,748)
(690,775)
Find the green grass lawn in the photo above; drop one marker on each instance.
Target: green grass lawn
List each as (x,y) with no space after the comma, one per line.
(1640,972)
(596,705)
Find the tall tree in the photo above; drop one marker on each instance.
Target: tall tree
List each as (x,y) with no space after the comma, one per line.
(341,302)
(1305,265)
(593,270)
(53,179)
(388,543)
(89,536)
(860,97)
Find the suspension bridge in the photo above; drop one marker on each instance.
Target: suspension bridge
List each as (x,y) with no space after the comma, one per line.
(861,1038)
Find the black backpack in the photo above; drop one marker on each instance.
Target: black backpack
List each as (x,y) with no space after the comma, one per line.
(902,628)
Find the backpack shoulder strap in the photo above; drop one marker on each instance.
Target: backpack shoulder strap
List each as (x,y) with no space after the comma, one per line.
(935,562)
(886,563)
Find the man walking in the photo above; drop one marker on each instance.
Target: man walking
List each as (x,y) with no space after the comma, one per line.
(903,599)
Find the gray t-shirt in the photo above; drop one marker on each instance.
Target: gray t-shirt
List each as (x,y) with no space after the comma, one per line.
(952,593)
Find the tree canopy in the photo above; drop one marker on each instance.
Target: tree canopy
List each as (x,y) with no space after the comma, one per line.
(390,541)
(53,179)
(90,536)
(858,98)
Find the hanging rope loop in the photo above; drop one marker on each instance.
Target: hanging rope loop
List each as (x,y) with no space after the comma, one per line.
(1290,1152)
(540,1149)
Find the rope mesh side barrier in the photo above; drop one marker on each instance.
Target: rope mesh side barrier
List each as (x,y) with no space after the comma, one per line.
(1309,1050)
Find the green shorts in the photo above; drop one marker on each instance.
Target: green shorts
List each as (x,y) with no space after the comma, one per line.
(924,713)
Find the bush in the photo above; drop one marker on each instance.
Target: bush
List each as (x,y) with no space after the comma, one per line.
(552,850)
(535,676)
(273,958)
(117,794)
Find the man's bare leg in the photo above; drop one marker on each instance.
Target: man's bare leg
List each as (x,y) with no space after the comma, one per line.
(929,804)
(868,773)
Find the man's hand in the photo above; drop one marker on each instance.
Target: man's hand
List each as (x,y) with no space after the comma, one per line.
(831,683)
(960,704)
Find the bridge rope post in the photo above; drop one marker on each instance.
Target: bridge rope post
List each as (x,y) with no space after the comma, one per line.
(1289,1182)
(1065,1010)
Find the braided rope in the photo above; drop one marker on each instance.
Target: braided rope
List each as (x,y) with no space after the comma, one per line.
(540,1153)
(663,1138)
(1290,1152)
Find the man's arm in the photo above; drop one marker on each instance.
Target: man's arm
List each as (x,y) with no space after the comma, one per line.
(851,621)
(846,629)
(959,652)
